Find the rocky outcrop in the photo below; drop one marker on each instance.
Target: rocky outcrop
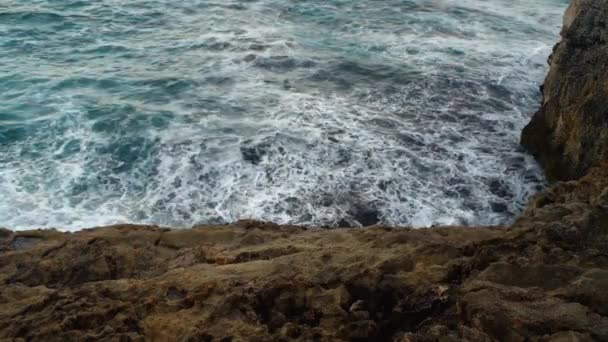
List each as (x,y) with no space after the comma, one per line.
(545,278)
(569,134)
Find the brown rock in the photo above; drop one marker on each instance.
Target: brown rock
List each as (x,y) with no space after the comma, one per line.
(569,134)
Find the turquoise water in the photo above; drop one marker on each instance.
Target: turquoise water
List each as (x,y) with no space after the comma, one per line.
(313,112)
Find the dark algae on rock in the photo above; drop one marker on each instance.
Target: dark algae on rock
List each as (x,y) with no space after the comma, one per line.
(545,278)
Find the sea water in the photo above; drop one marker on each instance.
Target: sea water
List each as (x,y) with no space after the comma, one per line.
(318,112)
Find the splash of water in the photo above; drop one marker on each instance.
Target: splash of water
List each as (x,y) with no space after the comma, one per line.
(318,112)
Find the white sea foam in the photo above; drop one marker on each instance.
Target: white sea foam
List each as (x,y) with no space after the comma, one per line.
(320,114)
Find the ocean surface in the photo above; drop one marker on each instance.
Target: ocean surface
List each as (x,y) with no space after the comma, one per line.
(318,112)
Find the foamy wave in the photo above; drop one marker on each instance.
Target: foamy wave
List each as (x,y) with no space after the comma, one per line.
(316,113)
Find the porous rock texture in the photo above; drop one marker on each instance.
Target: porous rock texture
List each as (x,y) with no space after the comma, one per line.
(545,278)
(569,133)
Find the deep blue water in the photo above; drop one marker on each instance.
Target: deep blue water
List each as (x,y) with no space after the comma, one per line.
(319,112)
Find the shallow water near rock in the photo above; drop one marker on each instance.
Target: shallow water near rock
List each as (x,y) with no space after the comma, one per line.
(308,112)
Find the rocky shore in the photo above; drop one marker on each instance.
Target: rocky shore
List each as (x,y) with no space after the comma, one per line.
(545,278)
(569,134)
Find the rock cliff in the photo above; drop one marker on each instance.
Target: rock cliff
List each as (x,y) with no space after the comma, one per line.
(569,134)
(545,278)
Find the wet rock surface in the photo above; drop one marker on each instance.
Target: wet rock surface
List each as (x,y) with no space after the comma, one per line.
(545,278)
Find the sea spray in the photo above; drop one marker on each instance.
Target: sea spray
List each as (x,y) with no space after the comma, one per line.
(322,113)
